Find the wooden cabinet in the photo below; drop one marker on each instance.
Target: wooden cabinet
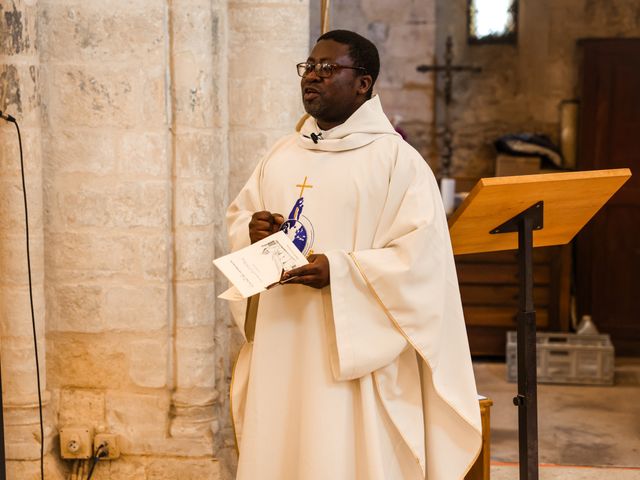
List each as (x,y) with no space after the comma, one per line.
(489,289)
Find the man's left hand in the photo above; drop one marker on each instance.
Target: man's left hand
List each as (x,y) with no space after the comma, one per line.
(315,274)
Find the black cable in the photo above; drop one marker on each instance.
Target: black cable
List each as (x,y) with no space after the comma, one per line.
(93,465)
(9,118)
(100,453)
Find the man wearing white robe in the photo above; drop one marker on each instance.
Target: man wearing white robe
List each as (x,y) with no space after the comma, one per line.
(359,368)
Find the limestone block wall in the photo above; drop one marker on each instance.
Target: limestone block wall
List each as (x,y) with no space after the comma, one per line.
(404,32)
(141,120)
(521,86)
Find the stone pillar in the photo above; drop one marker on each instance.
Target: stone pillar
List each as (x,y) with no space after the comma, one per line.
(108,195)
(198,140)
(19,96)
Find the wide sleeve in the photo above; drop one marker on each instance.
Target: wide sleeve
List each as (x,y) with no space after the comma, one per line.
(410,275)
(250,200)
(239,213)
(247,202)
(362,338)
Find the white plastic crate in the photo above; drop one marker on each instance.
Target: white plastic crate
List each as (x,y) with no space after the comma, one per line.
(567,358)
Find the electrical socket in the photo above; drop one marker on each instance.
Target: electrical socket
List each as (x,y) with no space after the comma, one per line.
(110,441)
(75,442)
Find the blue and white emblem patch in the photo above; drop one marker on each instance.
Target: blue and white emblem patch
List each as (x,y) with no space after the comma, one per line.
(298,227)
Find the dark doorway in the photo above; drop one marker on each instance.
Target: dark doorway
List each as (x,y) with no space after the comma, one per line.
(608,249)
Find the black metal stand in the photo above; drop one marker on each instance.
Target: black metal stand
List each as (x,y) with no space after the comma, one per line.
(527,399)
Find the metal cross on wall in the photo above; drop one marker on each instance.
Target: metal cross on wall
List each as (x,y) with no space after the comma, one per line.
(448,69)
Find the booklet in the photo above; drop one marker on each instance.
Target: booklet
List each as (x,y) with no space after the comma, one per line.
(260,266)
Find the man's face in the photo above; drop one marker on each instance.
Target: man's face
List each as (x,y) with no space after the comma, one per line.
(332,100)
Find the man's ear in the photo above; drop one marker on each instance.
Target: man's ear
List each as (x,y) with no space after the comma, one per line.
(364,84)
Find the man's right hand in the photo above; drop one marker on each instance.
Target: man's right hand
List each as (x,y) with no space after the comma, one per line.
(263,224)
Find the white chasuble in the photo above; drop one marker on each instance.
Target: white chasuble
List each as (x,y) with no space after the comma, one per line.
(369,378)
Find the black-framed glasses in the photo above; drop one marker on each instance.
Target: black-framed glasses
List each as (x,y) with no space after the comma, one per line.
(323,70)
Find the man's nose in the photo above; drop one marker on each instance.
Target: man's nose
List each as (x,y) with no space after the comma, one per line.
(311,76)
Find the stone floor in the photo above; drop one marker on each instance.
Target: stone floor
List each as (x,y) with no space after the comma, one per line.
(579,426)
(556,472)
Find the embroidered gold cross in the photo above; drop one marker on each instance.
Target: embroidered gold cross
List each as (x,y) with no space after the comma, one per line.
(303,186)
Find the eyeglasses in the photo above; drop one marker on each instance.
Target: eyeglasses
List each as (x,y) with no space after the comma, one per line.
(322,70)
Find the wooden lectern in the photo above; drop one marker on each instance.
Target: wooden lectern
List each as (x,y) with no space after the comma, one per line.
(523,212)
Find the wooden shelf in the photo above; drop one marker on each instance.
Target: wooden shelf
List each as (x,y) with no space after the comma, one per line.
(489,290)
